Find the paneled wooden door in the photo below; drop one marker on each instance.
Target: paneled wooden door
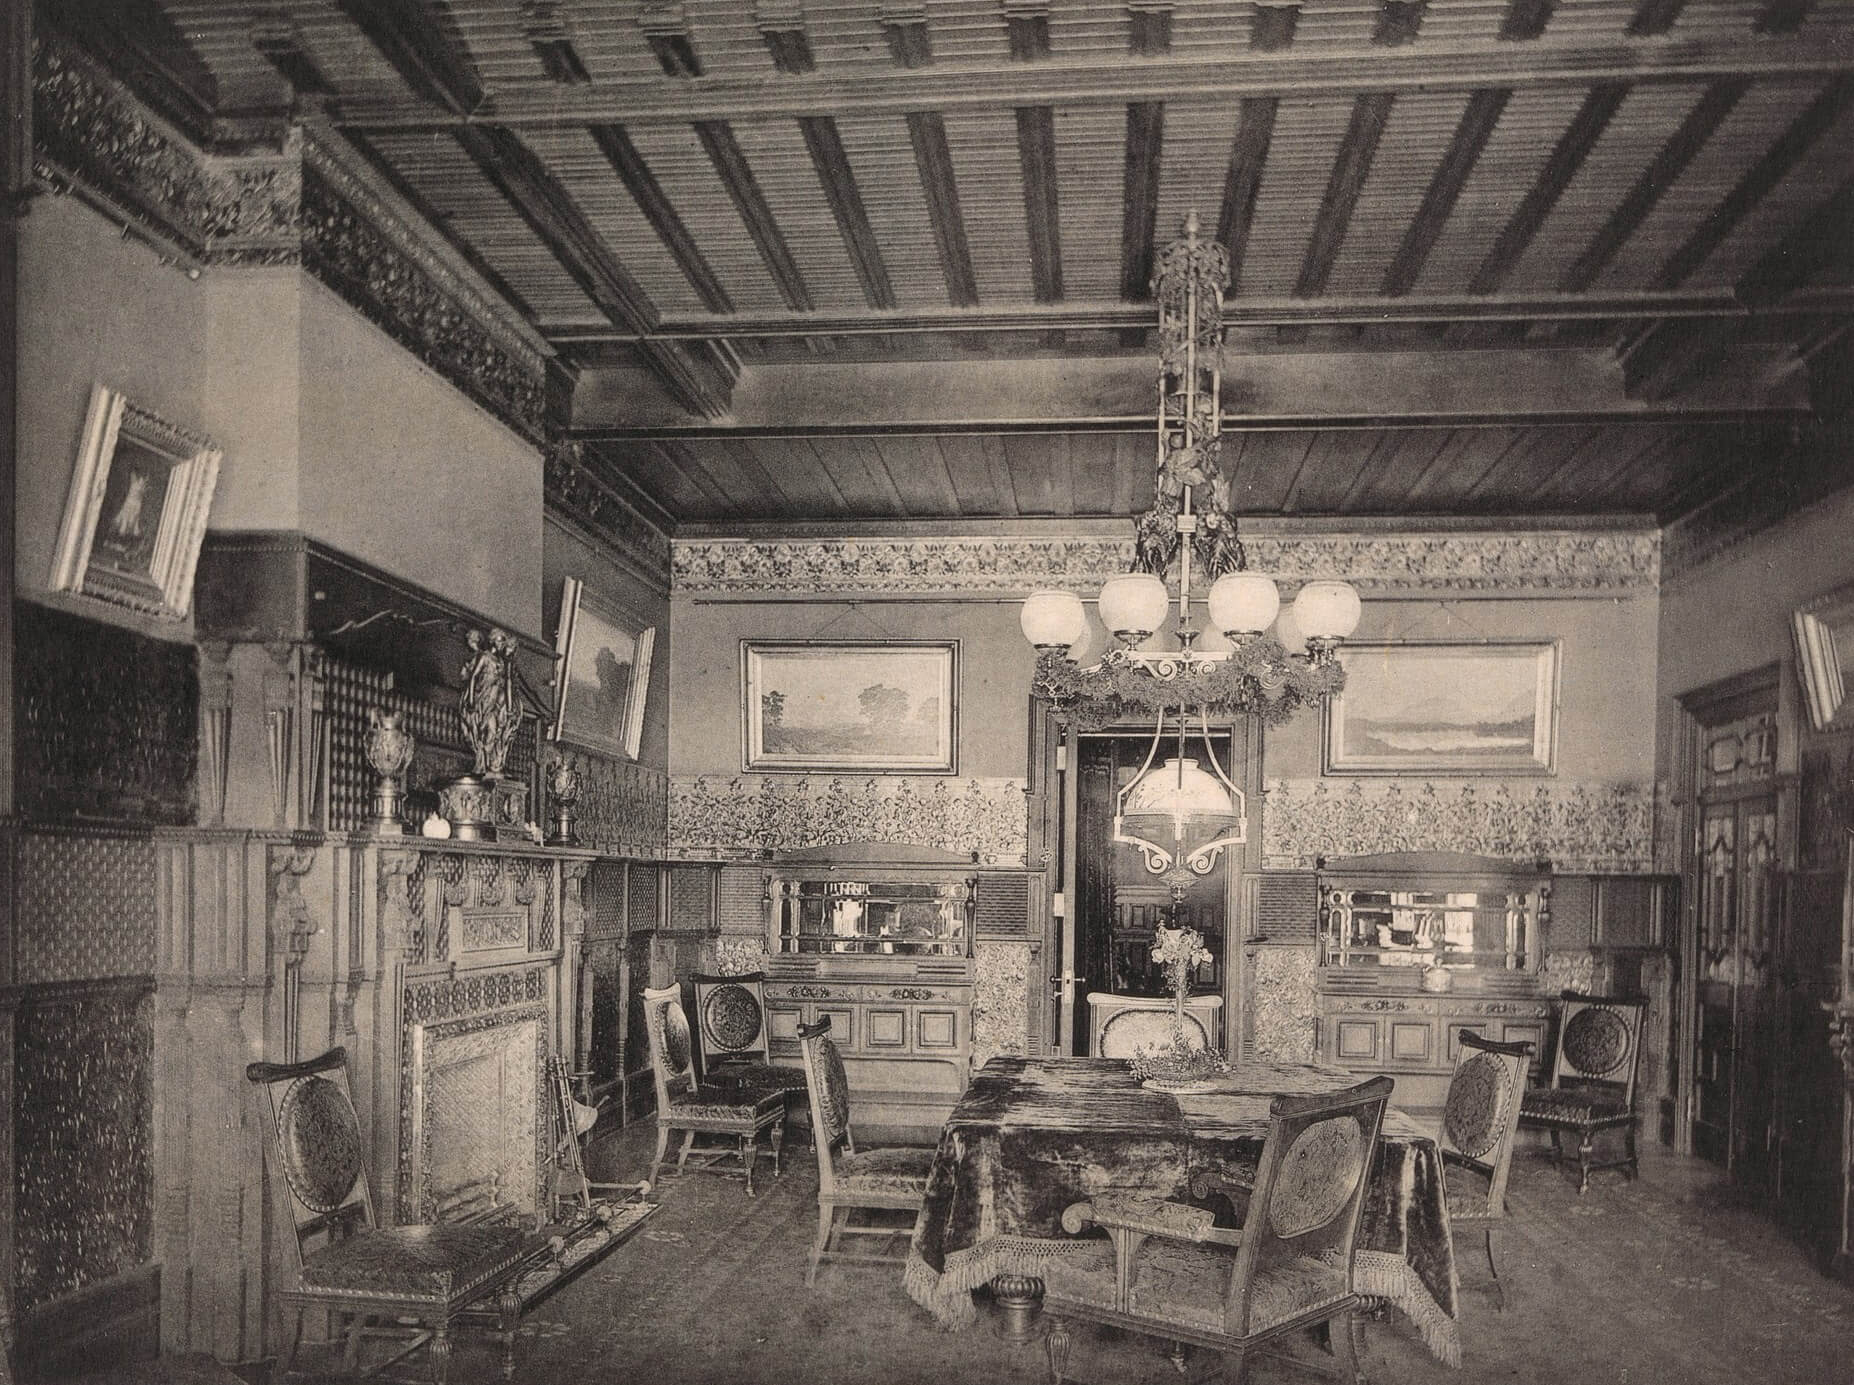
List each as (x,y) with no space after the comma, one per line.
(1109,903)
(1735,870)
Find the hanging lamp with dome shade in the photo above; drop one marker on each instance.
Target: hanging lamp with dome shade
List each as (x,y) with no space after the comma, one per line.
(1182,814)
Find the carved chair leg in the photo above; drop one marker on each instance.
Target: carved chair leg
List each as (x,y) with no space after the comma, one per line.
(440,1352)
(688,1143)
(1175,1353)
(1057,1347)
(350,1355)
(1499,1288)
(292,1340)
(1628,1134)
(662,1149)
(1236,1368)
(817,1246)
(1586,1145)
(1557,1149)
(508,1316)
(749,1148)
(777,1134)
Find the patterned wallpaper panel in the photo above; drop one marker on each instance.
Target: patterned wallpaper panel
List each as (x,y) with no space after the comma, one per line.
(1581,827)
(1283,999)
(107,720)
(1000,1001)
(83,1133)
(713,815)
(622,806)
(86,906)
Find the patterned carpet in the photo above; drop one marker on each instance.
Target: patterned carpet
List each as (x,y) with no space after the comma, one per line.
(1667,1279)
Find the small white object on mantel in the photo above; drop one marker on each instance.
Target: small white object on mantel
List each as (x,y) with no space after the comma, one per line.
(435,826)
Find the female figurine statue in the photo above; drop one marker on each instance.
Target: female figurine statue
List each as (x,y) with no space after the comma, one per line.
(490,706)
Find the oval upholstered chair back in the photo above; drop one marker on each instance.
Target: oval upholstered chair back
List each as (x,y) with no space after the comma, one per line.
(1599,1042)
(730,1017)
(319,1149)
(829,1088)
(672,1052)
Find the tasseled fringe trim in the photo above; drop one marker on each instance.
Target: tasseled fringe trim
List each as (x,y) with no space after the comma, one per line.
(948,1294)
(1389,1276)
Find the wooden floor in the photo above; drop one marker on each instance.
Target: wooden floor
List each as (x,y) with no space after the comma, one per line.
(1670,1278)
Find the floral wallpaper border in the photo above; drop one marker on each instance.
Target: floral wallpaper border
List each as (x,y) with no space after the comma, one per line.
(748,815)
(1580,826)
(1560,561)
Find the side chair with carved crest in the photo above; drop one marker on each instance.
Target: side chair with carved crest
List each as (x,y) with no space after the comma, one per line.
(683,1104)
(412,1284)
(1479,1119)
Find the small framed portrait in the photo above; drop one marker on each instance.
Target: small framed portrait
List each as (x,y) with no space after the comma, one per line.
(137,509)
(602,673)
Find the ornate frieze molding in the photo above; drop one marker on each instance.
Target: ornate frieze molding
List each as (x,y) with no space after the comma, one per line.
(576,492)
(747,815)
(356,245)
(1556,561)
(90,133)
(1578,825)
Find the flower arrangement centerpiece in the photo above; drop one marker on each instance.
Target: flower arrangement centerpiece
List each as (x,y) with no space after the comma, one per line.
(1177,1064)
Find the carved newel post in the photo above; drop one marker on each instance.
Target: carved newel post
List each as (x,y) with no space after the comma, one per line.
(563,784)
(389,751)
(483,805)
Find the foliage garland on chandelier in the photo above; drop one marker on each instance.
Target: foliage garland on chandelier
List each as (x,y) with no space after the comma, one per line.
(1258,676)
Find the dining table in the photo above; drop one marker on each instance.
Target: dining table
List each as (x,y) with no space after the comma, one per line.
(1032,1134)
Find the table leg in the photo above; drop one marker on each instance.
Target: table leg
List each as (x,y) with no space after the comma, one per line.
(1020,1301)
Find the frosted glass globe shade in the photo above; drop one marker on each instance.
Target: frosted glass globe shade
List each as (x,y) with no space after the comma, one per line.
(1178,789)
(1134,603)
(1287,630)
(1243,603)
(1052,619)
(1327,610)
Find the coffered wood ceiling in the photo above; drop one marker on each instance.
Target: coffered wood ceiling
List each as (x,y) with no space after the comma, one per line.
(840,260)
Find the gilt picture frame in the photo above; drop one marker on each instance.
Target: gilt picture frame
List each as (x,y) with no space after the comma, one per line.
(136,511)
(1445,707)
(883,707)
(602,660)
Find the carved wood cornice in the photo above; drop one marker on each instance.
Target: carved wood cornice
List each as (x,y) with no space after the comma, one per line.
(1559,562)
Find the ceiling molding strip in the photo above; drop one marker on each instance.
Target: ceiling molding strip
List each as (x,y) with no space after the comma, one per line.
(1560,562)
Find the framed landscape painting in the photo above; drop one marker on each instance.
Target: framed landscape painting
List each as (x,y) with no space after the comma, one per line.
(603,673)
(1489,707)
(888,707)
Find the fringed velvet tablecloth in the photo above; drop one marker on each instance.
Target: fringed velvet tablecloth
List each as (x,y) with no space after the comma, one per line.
(1032,1135)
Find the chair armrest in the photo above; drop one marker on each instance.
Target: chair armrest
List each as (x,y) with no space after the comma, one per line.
(1149,1216)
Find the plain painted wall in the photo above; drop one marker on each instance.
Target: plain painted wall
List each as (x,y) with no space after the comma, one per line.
(94,307)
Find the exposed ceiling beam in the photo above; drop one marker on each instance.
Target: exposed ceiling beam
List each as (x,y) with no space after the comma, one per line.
(934,162)
(550,212)
(743,190)
(846,205)
(1472,132)
(1088,81)
(1255,131)
(1370,114)
(1669,359)
(1708,113)
(1529,385)
(1567,156)
(1237,312)
(415,37)
(1036,156)
(1824,241)
(1764,175)
(1140,197)
(651,200)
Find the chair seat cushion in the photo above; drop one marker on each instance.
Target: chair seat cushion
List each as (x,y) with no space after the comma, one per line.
(901,1170)
(1467,1194)
(442,1263)
(746,1105)
(1573,1106)
(1185,1284)
(767,1077)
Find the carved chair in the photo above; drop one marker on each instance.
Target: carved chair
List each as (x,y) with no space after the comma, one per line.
(1592,1081)
(429,1276)
(730,1021)
(702,1108)
(1121,1025)
(1479,1119)
(1167,1270)
(893,1179)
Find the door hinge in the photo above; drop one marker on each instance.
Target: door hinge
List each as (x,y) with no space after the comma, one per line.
(1058,905)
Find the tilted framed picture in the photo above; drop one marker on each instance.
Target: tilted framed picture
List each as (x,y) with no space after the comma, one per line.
(136,510)
(882,707)
(1437,707)
(602,675)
